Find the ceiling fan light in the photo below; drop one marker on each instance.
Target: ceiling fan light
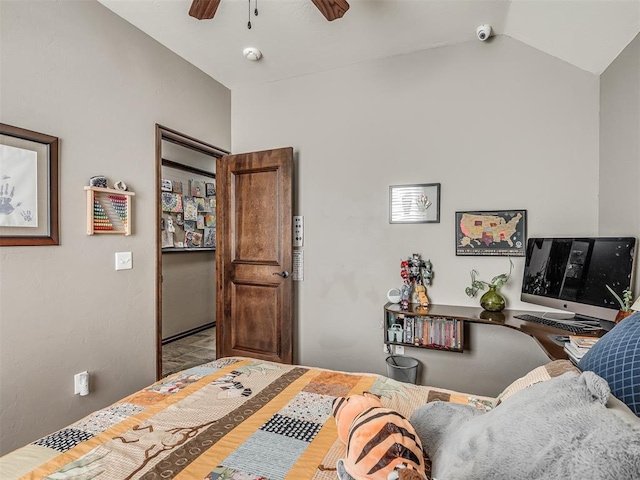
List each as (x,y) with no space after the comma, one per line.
(252,54)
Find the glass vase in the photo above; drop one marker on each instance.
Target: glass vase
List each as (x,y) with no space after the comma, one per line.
(492,300)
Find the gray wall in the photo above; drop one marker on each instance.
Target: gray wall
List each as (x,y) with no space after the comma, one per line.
(188,291)
(619,204)
(499,124)
(77,71)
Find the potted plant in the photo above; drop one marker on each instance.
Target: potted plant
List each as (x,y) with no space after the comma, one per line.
(624,302)
(491,300)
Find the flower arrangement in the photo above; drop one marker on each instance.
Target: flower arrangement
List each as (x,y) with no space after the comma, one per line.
(497,282)
(626,300)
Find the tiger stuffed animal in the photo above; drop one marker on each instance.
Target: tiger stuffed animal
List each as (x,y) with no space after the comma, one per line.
(379,440)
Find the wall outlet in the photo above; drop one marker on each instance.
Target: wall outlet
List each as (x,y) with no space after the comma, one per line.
(81,383)
(399,350)
(298,230)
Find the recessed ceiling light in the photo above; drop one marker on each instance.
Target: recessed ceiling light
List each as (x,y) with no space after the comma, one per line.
(252,54)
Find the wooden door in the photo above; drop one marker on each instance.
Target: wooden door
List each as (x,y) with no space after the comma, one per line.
(253,265)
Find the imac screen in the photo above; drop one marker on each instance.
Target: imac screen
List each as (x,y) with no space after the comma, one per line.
(578,270)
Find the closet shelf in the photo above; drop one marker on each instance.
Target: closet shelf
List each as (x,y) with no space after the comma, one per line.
(188,250)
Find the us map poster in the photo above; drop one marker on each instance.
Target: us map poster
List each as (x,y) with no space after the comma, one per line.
(491,233)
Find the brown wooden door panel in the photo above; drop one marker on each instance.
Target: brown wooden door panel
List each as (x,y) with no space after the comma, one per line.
(258,334)
(256,213)
(254,314)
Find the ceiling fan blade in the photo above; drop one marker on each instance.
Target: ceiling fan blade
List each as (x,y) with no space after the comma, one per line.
(332,9)
(204,9)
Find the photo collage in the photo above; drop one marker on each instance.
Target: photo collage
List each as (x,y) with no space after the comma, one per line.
(188,213)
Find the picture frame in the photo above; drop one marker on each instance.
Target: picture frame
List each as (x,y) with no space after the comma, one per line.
(197,188)
(167,185)
(29,186)
(492,233)
(414,203)
(210,189)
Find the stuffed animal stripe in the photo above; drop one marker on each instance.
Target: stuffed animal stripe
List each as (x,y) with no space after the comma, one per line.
(380,427)
(349,408)
(378,440)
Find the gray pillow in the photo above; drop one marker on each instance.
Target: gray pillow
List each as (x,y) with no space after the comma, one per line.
(559,429)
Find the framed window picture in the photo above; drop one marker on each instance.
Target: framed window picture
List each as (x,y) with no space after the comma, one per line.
(502,232)
(417,203)
(28,187)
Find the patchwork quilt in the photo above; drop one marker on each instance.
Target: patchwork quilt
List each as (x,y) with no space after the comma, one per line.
(231,419)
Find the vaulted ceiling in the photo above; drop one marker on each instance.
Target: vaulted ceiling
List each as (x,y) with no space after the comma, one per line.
(296,39)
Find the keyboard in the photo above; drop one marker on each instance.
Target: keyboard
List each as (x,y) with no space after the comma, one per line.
(577,327)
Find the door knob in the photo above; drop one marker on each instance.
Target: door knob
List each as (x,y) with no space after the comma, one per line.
(284,274)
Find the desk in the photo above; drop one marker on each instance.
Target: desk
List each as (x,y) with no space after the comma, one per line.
(506,318)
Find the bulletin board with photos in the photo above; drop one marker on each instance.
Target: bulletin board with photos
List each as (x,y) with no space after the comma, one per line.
(188,210)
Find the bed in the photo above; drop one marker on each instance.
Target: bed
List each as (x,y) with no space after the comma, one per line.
(234,418)
(244,419)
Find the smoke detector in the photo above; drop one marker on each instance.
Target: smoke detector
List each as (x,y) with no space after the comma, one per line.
(252,54)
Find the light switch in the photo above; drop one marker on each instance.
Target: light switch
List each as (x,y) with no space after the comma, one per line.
(123,261)
(298,230)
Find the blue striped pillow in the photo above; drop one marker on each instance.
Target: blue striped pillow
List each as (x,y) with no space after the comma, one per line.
(616,358)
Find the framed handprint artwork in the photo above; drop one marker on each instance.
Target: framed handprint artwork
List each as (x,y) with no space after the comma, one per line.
(28,187)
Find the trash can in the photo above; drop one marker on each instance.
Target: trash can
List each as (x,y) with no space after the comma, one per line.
(403,369)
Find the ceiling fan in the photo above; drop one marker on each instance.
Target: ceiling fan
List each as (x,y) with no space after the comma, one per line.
(331,9)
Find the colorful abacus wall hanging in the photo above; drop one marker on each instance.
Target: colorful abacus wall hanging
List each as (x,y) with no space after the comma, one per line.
(108,211)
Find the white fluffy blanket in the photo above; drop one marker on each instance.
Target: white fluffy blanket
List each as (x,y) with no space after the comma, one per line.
(555,430)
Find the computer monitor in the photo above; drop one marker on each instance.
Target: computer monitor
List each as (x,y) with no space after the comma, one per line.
(572,274)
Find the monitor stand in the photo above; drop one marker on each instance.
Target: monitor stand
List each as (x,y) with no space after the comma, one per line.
(559,315)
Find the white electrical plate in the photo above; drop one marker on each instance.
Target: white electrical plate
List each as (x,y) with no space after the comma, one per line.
(399,350)
(298,230)
(81,383)
(298,265)
(123,261)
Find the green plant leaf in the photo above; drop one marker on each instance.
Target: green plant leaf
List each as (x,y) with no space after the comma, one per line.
(623,306)
(499,280)
(627,297)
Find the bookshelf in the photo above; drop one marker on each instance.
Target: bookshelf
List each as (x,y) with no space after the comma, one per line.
(418,327)
(542,334)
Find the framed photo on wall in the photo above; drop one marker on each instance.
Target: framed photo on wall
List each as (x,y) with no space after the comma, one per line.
(417,203)
(502,232)
(28,187)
